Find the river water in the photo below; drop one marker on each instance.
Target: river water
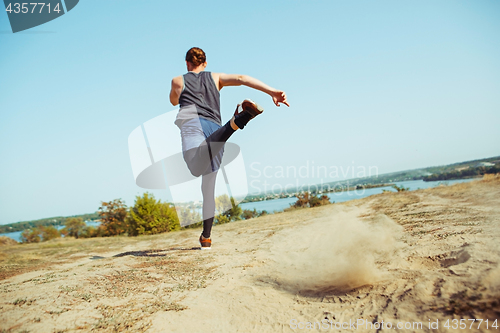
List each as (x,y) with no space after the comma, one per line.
(280,204)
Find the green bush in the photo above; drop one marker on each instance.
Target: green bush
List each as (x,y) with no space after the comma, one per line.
(222,204)
(74,226)
(310,200)
(191,218)
(315,201)
(302,200)
(90,232)
(39,234)
(400,188)
(31,236)
(49,233)
(227,210)
(113,216)
(234,213)
(221,219)
(150,216)
(250,214)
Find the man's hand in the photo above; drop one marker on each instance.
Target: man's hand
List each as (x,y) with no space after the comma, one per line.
(279,97)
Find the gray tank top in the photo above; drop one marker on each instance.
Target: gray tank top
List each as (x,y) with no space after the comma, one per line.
(200,97)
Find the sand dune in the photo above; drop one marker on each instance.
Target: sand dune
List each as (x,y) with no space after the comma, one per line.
(419,257)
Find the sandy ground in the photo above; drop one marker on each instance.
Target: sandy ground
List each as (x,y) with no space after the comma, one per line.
(428,256)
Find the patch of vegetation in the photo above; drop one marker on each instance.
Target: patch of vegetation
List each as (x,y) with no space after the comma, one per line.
(85,296)
(226,210)
(163,306)
(22,301)
(74,227)
(39,234)
(58,312)
(307,199)
(465,173)
(190,217)
(468,302)
(67,289)
(151,216)
(400,188)
(397,188)
(175,272)
(118,319)
(4,240)
(250,214)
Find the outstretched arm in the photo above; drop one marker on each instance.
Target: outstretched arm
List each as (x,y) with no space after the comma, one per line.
(225,80)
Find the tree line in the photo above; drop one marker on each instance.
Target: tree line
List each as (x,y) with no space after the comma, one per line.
(148,216)
(50,221)
(466,173)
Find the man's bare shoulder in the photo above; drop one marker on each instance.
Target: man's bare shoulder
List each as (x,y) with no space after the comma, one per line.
(216,77)
(177,81)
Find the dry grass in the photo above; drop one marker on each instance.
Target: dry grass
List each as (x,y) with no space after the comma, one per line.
(22,258)
(467,302)
(4,240)
(149,285)
(435,218)
(119,293)
(393,203)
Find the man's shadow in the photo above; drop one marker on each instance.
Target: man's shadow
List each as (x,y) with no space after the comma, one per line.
(149,253)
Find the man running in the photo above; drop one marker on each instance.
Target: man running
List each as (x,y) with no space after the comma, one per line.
(199,120)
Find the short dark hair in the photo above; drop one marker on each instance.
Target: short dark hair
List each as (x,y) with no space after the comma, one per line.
(196,56)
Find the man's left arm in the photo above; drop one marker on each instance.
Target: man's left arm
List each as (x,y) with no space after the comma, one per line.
(175,90)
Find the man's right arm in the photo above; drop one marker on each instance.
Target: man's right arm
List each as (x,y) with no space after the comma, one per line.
(226,80)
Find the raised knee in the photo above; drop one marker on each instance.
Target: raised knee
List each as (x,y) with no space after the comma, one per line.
(194,172)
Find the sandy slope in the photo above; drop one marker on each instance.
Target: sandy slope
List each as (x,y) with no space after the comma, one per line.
(402,257)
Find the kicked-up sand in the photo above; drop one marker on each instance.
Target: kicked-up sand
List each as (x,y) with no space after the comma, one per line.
(420,261)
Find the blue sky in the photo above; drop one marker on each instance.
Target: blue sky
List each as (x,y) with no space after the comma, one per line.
(391,84)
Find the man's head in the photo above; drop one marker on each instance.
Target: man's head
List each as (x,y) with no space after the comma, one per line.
(196,59)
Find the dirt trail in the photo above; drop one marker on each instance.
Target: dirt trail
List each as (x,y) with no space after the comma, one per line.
(400,257)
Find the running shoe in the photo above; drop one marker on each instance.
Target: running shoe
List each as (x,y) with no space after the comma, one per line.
(250,110)
(206,243)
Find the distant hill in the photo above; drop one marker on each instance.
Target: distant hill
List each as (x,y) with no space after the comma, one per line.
(51,221)
(418,174)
